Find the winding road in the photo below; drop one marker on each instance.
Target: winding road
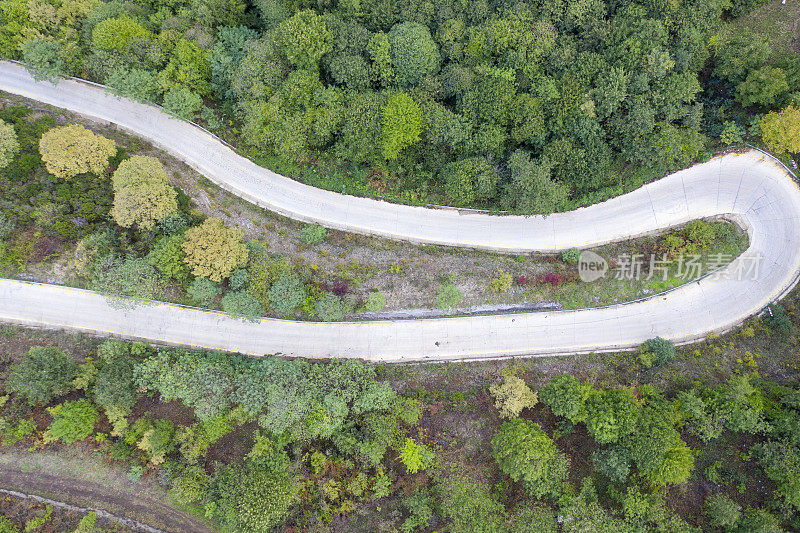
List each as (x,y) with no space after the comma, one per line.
(751,189)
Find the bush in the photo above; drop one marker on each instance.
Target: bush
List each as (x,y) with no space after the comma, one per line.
(501,283)
(659,352)
(571,256)
(42,375)
(375,302)
(776,319)
(313,234)
(512,396)
(448,297)
(331,308)
(203,291)
(72,421)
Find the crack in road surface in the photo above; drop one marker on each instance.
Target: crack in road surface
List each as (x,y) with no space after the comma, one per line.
(751,189)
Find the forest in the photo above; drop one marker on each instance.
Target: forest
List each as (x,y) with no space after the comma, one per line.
(656,440)
(530,107)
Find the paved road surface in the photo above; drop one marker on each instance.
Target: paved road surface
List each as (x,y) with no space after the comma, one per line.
(750,188)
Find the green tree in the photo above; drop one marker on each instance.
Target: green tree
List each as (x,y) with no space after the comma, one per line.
(182,102)
(611,414)
(203,291)
(762,86)
(168,256)
(303,39)
(114,385)
(532,189)
(71,150)
(781,462)
(466,500)
(525,452)
(255,495)
(566,396)
(414,53)
(781,130)
(132,276)
(758,521)
(613,463)
(351,71)
(402,124)
(44,373)
(732,134)
(135,83)
(286,294)
(44,59)
(657,449)
(9,145)
(213,250)
(722,512)
(415,455)
(379,50)
(188,67)
(72,421)
(742,53)
(142,193)
(512,395)
(117,34)
(191,485)
(469,180)
(242,304)
(331,308)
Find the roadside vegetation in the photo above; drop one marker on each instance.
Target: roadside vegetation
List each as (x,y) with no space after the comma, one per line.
(123,218)
(659,438)
(530,107)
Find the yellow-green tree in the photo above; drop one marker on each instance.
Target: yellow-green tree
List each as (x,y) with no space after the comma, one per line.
(213,250)
(512,396)
(142,193)
(9,145)
(71,150)
(402,124)
(781,130)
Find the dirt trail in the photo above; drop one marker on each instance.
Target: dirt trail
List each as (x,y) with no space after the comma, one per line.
(156,514)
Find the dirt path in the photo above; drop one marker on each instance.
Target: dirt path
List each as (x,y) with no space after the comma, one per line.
(154,513)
